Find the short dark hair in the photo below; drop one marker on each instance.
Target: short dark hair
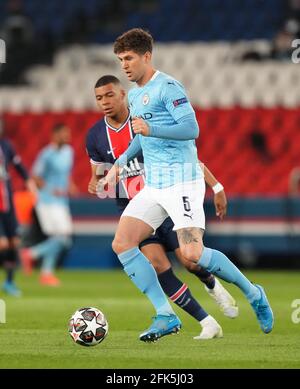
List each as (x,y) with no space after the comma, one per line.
(58,127)
(138,40)
(107,79)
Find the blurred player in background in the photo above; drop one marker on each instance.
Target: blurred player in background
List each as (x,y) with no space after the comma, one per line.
(9,239)
(167,128)
(106,140)
(52,174)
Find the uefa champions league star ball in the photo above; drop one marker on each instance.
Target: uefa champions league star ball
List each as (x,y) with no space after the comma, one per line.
(88,326)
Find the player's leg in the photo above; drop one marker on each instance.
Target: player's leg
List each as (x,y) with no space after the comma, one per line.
(56,245)
(34,236)
(213,286)
(178,291)
(190,240)
(186,210)
(137,222)
(226,302)
(48,251)
(9,252)
(9,267)
(12,257)
(55,222)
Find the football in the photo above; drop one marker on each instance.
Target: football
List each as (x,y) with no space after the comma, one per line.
(88,326)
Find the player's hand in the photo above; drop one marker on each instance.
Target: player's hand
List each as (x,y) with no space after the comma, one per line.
(31,186)
(92,186)
(101,184)
(220,202)
(139,126)
(111,179)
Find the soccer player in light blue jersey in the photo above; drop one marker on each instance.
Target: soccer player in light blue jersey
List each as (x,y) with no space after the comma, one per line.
(114,132)
(166,128)
(52,173)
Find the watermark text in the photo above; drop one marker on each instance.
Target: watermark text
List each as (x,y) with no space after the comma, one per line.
(2,312)
(296,53)
(2,51)
(296,312)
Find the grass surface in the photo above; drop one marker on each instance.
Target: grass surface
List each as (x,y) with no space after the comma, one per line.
(35,335)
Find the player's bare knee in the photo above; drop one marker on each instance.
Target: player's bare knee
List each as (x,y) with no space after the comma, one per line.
(116,246)
(191,255)
(121,245)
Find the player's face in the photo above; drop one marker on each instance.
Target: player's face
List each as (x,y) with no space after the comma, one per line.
(63,136)
(110,99)
(134,65)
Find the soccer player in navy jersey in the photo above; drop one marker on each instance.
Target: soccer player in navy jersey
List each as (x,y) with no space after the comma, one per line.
(9,239)
(105,141)
(165,123)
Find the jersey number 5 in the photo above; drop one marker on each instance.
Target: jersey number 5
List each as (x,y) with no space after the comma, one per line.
(186,203)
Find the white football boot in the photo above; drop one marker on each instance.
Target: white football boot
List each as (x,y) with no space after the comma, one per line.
(224,299)
(210,329)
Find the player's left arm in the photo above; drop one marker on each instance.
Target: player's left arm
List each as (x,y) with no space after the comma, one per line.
(174,98)
(220,200)
(21,170)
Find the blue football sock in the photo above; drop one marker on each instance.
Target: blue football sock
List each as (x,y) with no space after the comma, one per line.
(217,263)
(10,275)
(180,294)
(142,274)
(49,250)
(49,245)
(49,262)
(10,260)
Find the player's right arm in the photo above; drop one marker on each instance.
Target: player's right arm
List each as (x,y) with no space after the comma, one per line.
(92,186)
(98,166)
(95,161)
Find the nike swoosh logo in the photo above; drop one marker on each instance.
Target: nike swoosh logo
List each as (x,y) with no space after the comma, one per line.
(110,151)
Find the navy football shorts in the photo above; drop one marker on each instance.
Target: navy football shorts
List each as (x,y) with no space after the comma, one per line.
(164,236)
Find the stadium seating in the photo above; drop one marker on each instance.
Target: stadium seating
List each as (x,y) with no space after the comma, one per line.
(243,169)
(192,20)
(213,75)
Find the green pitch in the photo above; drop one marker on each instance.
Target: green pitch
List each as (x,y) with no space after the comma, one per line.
(35,335)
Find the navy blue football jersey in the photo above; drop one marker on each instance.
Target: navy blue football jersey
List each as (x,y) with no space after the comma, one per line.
(8,157)
(104,144)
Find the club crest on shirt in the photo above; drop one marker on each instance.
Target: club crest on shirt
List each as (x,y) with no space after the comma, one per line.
(146,99)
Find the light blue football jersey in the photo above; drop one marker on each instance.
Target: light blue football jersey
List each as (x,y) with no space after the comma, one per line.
(162,102)
(54,166)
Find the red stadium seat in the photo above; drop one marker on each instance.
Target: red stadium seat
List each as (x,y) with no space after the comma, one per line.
(224,144)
